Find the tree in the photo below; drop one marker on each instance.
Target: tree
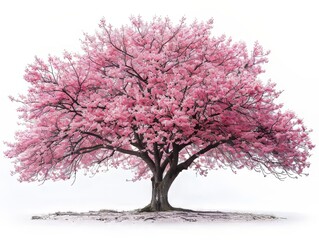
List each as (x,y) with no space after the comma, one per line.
(158,99)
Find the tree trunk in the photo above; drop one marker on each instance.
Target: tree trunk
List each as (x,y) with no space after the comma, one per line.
(160,183)
(159,201)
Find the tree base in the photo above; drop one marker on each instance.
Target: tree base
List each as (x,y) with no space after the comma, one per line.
(149,208)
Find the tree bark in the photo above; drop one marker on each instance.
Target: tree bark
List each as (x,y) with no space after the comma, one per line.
(159,200)
(161,184)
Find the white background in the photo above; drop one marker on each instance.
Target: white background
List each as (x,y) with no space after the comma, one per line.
(288,28)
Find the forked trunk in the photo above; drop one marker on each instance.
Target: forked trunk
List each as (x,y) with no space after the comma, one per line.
(160,183)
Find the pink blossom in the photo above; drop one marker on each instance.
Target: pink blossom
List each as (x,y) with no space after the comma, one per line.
(139,95)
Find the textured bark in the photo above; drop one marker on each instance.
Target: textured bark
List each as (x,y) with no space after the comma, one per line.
(159,200)
(161,182)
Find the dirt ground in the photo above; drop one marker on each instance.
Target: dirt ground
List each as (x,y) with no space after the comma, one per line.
(170,216)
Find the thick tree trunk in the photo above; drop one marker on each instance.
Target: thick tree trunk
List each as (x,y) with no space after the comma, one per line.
(160,183)
(159,201)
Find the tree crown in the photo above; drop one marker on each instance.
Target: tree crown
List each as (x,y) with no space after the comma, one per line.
(154,95)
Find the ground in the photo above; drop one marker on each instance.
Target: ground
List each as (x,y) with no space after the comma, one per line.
(168,217)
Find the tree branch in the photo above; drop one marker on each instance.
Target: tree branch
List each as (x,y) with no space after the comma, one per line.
(166,161)
(184,165)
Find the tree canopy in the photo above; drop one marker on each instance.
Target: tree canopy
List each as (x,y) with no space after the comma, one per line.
(157,98)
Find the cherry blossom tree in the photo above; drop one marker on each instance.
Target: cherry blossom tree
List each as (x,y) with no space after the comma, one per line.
(156,98)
